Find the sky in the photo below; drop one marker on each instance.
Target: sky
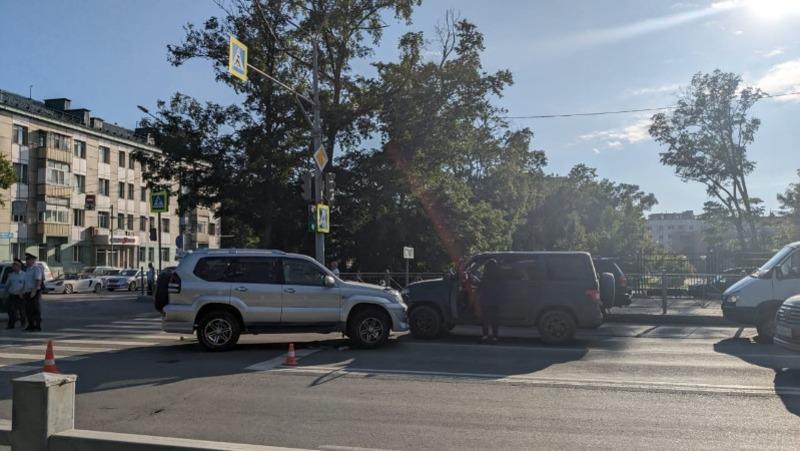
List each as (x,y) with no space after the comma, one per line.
(567,56)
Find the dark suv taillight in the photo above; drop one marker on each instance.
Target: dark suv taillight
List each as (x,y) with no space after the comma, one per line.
(593,295)
(174,283)
(623,281)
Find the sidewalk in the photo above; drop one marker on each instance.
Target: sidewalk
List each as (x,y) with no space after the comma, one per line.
(679,311)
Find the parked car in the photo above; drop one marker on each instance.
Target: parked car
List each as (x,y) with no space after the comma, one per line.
(5,270)
(715,286)
(557,292)
(222,293)
(622,294)
(126,279)
(755,299)
(787,324)
(73,283)
(101,272)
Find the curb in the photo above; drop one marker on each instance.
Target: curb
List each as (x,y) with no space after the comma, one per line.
(658,319)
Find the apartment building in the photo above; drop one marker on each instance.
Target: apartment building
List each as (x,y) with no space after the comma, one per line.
(80,198)
(678,232)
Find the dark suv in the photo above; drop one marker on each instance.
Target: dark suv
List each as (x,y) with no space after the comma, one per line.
(622,294)
(555,291)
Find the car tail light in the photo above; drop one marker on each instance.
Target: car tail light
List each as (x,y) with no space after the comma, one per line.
(593,295)
(623,281)
(174,283)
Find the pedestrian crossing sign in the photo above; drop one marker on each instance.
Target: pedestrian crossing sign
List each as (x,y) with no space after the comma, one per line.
(159,202)
(323,218)
(237,59)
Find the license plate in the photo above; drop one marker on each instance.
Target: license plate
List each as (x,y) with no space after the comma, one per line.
(783,331)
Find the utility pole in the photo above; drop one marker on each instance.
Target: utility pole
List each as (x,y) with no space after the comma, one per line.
(319,238)
(111,236)
(160,257)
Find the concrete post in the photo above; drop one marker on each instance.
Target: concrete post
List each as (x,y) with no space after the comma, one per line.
(43,405)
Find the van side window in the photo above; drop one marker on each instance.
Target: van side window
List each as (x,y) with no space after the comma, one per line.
(566,267)
(212,269)
(301,272)
(255,270)
(791,267)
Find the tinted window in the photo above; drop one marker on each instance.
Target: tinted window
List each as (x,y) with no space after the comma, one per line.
(302,272)
(531,269)
(6,271)
(566,267)
(255,270)
(212,269)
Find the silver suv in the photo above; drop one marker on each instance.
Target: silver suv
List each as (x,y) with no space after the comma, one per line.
(222,293)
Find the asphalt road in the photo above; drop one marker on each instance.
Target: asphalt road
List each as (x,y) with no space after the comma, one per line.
(623,385)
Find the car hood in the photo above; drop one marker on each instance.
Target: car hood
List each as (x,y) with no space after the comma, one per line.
(435,290)
(365,288)
(739,285)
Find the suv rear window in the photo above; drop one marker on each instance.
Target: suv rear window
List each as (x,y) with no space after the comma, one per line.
(212,269)
(566,267)
(255,270)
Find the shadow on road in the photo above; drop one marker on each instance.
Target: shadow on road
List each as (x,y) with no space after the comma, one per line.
(787,375)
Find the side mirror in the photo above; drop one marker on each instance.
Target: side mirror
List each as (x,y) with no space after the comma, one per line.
(329,282)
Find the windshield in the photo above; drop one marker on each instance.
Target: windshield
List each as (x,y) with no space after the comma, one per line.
(776,259)
(129,272)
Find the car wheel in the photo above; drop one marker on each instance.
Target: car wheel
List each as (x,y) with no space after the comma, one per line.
(96,287)
(766,326)
(556,327)
(425,322)
(369,328)
(218,331)
(67,289)
(132,286)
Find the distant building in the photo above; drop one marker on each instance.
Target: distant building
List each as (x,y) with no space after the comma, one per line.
(681,233)
(80,198)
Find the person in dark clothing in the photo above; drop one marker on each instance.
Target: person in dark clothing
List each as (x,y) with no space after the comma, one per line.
(490,292)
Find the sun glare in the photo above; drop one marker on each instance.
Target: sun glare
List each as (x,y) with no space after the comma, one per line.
(773,9)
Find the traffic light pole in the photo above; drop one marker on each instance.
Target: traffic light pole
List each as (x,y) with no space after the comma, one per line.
(319,238)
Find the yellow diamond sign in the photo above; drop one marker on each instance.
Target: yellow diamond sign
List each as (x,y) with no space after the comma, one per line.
(321,158)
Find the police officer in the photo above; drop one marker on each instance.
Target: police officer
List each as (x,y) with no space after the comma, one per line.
(16,288)
(34,282)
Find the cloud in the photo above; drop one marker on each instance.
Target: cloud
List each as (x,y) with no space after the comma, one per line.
(773,53)
(782,78)
(667,88)
(616,138)
(738,32)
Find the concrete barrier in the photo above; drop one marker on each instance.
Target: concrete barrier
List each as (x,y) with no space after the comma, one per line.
(43,418)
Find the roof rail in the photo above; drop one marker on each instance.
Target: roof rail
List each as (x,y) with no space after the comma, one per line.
(238,250)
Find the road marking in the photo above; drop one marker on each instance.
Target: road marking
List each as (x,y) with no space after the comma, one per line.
(59,347)
(11,356)
(634,385)
(278,361)
(79,341)
(18,368)
(123,327)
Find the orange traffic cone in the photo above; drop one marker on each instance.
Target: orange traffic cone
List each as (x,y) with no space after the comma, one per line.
(291,359)
(49,359)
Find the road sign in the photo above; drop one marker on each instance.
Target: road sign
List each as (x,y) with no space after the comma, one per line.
(159,202)
(321,158)
(6,235)
(408,253)
(237,59)
(323,218)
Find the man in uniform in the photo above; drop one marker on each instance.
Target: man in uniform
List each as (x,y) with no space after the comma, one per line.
(16,287)
(34,282)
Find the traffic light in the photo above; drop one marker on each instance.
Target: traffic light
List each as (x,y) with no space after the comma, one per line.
(308,187)
(330,187)
(312,218)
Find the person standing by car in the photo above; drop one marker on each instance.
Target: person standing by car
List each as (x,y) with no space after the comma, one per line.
(16,287)
(34,282)
(335,268)
(151,278)
(490,292)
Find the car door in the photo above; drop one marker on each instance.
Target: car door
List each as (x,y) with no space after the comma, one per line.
(517,293)
(786,281)
(306,299)
(4,272)
(256,282)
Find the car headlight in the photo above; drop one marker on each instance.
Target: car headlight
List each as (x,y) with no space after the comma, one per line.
(404,293)
(732,299)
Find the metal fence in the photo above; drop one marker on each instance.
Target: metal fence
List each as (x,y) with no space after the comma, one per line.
(691,263)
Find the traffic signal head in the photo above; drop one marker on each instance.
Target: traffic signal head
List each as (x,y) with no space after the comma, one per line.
(312,218)
(308,187)
(330,187)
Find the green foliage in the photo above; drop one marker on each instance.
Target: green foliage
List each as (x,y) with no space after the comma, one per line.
(706,139)
(789,229)
(7,175)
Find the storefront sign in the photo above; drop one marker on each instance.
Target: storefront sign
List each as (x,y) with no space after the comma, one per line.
(125,240)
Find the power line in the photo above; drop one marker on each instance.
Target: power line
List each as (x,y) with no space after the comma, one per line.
(606,113)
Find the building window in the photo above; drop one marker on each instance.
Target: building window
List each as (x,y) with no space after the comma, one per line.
(53,215)
(57,253)
(143,223)
(152,222)
(141,254)
(57,173)
(164,254)
(130,191)
(151,254)
(130,161)
(143,194)
(105,187)
(130,222)
(79,182)
(165,225)
(77,254)
(121,191)
(121,159)
(201,227)
(20,135)
(18,208)
(21,171)
(105,154)
(78,217)
(79,149)
(60,141)
(212,228)
(103,219)
(121,221)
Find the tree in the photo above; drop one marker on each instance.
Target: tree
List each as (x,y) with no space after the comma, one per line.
(7,175)
(706,139)
(790,215)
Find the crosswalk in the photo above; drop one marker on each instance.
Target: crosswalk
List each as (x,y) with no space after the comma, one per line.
(22,352)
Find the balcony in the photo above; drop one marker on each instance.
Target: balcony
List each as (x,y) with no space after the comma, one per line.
(53,229)
(52,153)
(48,190)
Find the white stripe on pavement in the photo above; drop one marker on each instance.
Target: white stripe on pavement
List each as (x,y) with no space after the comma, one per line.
(18,368)
(59,347)
(79,341)
(126,326)
(12,356)
(278,361)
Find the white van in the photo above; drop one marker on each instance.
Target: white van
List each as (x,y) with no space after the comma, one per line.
(755,299)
